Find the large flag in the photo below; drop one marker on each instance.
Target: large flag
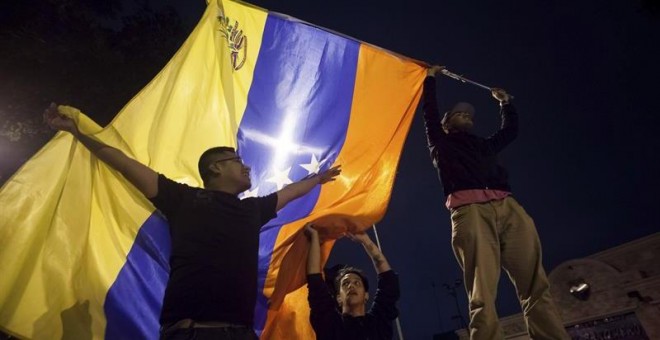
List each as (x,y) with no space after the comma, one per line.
(84,255)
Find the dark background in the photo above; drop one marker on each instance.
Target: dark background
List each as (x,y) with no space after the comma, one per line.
(584,75)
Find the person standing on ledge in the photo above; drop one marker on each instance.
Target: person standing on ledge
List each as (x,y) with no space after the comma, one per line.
(490,230)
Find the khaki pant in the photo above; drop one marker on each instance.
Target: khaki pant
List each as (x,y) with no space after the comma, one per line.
(499,234)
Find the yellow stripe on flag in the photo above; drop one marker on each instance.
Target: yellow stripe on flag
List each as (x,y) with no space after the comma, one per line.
(67,221)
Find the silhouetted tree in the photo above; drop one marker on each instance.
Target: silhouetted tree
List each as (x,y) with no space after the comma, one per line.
(94,54)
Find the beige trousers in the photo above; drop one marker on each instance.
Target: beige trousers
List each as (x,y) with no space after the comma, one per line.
(499,234)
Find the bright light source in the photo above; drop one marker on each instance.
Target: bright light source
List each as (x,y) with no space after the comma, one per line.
(580,289)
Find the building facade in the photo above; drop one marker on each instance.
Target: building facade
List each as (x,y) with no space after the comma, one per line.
(614,294)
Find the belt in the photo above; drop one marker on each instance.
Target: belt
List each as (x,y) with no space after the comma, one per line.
(190,323)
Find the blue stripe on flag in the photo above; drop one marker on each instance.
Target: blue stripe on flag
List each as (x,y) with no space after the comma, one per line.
(299,105)
(133,304)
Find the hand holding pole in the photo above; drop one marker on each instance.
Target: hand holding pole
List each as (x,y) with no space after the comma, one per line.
(465,80)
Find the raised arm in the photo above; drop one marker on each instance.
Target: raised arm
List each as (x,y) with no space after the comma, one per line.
(323,308)
(314,255)
(140,175)
(300,188)
(509,129)
(430,107)
(377,257)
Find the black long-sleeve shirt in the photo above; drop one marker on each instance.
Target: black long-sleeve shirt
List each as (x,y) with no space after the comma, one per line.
(465,161)
(329,323)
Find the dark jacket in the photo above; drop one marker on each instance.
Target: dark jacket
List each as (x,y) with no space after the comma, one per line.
(376,324)
(465,161)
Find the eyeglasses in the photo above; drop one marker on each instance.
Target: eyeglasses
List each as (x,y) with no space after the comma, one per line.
(235,158)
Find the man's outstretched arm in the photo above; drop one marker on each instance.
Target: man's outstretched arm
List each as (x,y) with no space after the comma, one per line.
(140,175)
(300,188)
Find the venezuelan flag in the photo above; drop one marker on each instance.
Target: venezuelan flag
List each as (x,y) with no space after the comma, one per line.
(83,253)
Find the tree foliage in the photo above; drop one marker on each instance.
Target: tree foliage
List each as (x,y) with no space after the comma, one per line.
(93,54)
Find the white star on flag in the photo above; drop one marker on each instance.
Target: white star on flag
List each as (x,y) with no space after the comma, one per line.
(280,178)
(313,166)
(251,193)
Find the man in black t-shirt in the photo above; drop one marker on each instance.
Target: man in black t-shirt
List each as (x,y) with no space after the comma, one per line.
(212,287)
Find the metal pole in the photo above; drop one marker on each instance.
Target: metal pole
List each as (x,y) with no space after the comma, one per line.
(452,291)
(396,321)
(465,80)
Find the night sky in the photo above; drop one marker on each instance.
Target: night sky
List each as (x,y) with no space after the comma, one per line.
(584,165)
(584,75)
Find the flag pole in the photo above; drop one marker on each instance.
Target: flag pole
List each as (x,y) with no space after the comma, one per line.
(465,80)
(398,323)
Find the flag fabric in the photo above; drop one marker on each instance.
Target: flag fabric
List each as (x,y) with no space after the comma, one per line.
(84,255)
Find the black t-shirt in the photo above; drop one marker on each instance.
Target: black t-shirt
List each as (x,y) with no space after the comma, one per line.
(215,244)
